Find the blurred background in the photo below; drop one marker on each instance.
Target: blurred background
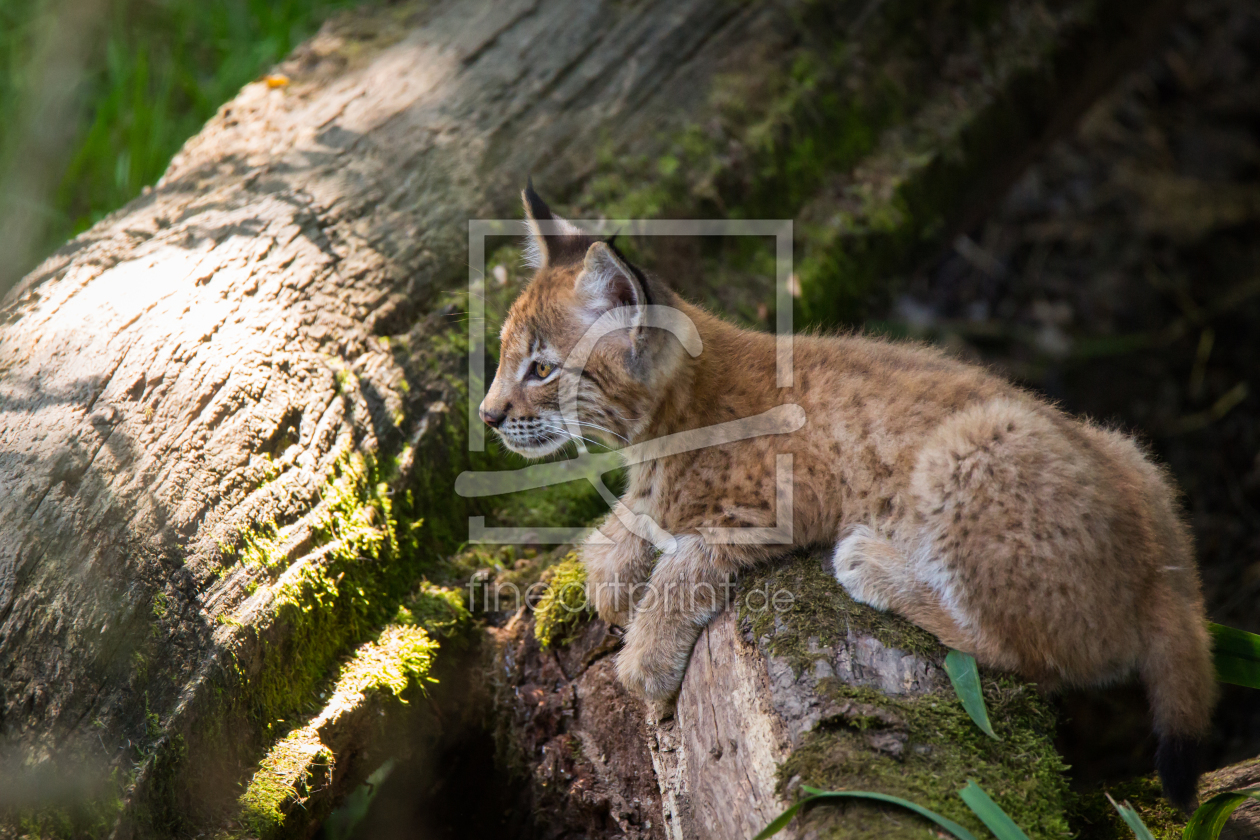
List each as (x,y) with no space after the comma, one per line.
(1120,276)
(97,95)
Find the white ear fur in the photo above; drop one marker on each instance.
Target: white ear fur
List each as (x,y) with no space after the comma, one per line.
(549,235)
(536,251)
(535,245)
(606,282)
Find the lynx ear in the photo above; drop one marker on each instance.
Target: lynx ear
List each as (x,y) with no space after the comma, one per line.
(608,281)
(552,240)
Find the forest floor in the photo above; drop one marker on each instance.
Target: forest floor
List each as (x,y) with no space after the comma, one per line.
(1121,278)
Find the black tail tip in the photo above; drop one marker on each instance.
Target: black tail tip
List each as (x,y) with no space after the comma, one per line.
(1177,759)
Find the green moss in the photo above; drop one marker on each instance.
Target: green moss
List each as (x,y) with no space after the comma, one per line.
(438,609)
(91,816)
(563,607)
(355,576)
(475,557)
(399,658)
(282,781)
(943,751)
(820,614)
(260,546)
(573,503)
(358,520)
(369,548)
(345,380)
(396,662)
(376,534)
(1093,817)
(940,748)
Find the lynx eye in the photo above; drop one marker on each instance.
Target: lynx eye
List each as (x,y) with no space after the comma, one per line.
(543,369)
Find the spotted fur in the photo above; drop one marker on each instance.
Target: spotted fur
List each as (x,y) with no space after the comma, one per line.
(1042,544)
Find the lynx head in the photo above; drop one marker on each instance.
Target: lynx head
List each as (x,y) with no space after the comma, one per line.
(579,329)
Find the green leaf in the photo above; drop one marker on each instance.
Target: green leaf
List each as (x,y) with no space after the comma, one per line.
(780,822)
(1130,816)
(1207,822)
(965,676)
(990,813)
(1237,655)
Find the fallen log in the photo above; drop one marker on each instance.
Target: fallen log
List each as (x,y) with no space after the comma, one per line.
(820,691)
(795,684)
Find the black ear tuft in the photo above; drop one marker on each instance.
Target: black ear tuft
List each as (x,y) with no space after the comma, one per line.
(552,240)
(644,284)
(534,205)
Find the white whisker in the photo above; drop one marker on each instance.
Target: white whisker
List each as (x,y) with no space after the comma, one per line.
(572,436)
(600,428)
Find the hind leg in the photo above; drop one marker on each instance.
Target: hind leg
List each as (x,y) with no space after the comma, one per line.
(877,573)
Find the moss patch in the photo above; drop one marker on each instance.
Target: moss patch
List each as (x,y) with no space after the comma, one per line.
(393,665)
(352,578)
(563,607)
(397,660)
(331,581)
(943,750)
(438,609)
(92,815)
(921,747)
(820,611)
(285,778)
(1093,817)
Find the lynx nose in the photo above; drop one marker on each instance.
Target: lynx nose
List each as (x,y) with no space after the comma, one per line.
(491,418)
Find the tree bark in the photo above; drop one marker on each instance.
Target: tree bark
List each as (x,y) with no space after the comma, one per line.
(811,688)
(231,413)
(824,692)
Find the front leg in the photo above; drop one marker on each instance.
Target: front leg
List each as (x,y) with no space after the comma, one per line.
(687,589)
(616,562)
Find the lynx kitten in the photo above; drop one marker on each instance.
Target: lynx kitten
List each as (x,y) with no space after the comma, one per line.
(1042,544)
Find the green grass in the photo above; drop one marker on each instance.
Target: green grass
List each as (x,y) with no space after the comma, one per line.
(152,72)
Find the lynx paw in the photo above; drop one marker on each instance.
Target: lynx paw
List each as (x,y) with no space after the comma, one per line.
(856,565)
(653,668)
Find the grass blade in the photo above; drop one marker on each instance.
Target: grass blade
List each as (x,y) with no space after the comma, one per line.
(965,676)
(1207,822)
(1237,656)
(1131,818)
(781,821)
(990,813)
